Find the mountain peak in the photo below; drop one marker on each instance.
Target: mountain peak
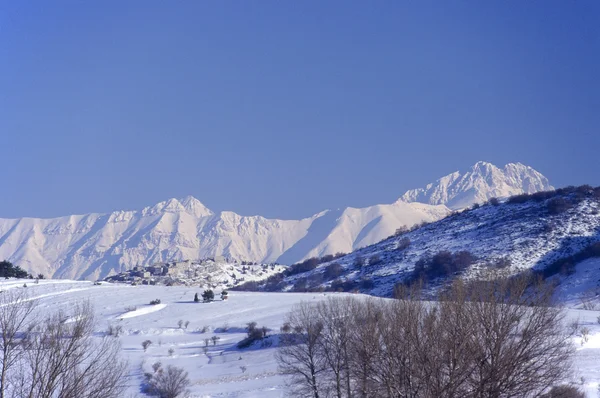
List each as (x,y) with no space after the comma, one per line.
(188,204)
(483,181)
(195,207)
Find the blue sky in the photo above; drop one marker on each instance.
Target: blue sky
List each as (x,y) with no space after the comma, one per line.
(285,108)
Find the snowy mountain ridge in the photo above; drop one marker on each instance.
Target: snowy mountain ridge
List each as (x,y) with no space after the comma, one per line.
(483,182)
(546,232)
(96,245)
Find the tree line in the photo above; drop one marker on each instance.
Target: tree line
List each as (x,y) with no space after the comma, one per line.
(496,339)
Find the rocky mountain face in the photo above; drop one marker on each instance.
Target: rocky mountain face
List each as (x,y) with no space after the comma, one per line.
(482,182)
(97,245)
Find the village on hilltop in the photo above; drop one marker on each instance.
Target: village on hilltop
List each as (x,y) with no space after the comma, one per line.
(209,273)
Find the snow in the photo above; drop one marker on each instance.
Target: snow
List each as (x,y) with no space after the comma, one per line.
(217,373)
(94,246)
(482,182)
(143,311)
(585,281)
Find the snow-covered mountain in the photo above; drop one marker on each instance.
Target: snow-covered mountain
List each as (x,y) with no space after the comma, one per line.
(550,232)
(482,182)
(97,245)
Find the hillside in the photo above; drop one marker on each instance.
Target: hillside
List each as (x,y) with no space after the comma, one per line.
(94,246)
(538,232)
(220,369)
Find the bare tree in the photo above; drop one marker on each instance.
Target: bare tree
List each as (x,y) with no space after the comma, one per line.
(520,344)
(335,314)
(63,359)
(15,315)
(366,318)
(298,355)
(499,338)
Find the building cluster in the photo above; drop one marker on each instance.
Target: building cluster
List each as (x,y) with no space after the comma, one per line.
(185,272)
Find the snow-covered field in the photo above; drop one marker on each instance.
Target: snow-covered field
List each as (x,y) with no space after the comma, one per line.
(224,370)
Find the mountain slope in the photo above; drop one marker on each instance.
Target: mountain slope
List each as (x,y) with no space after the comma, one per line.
(482,182)
(97,245)
(542,232)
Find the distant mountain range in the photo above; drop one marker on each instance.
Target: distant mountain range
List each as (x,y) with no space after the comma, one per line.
(97,245)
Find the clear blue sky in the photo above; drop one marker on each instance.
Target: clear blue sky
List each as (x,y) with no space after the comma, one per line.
(285,108)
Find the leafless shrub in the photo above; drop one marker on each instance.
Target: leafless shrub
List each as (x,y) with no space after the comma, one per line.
(146,344)
(286,328)
(114,330)
(130,308)
(585,335)
(574,326)
(588,300)
(180,324)
(171,382)
(215,339)
(403,244)
(171,351)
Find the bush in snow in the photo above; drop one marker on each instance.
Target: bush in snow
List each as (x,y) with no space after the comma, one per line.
(254,333)
(564,391)
(375,259)
(114,330)
(146,344)
(558,205)
(403,244)
(300,285)
(171,382)
(333,271)
(155,302)
(359,262)
(208,296)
